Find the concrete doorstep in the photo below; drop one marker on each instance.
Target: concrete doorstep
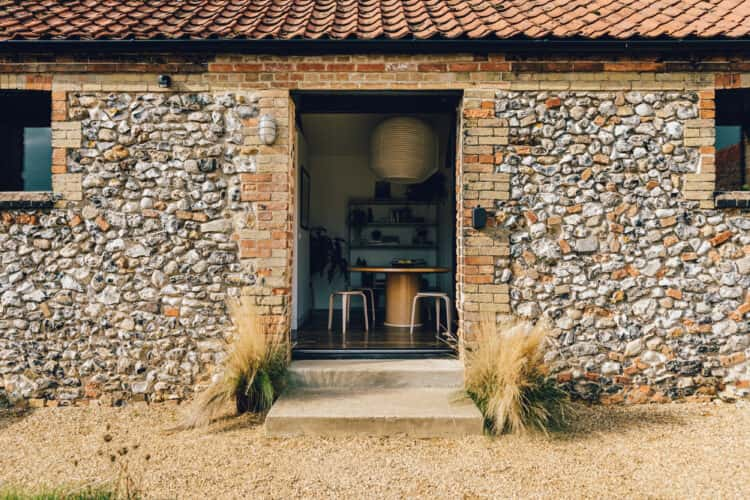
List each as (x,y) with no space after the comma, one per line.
(419,398)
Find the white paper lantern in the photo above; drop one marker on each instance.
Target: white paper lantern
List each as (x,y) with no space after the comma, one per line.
(403,150)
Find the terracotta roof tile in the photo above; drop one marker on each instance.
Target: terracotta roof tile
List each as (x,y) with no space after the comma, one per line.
(369,19)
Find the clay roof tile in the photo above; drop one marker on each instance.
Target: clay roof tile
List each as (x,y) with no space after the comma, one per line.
(367,19)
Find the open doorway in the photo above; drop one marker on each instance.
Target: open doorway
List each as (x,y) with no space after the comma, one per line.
(359,229)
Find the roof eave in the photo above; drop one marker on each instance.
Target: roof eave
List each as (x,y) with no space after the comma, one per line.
(300,45)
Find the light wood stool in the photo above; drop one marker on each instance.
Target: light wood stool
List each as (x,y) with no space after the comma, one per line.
(371,293)
(438,296)
(345,300)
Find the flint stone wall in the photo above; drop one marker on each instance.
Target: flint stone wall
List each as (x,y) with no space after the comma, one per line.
(171,205)
(122,293)
(647,292)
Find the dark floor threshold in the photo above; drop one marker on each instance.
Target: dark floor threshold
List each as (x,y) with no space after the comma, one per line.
(372,353)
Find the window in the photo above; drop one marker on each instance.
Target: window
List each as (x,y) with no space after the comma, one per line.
(25,141)
(733,140)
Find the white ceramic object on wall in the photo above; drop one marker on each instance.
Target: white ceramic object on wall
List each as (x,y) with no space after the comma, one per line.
(267,130)
(403,150)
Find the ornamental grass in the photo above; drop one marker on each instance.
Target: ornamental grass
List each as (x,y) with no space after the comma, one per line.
(254,371)
(507,379)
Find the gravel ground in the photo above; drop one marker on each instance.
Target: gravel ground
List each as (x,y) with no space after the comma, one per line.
(664,451)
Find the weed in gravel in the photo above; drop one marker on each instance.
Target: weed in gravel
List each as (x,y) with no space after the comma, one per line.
(507,379)
(58,494)
(124,459)
(254,371)
(124,485)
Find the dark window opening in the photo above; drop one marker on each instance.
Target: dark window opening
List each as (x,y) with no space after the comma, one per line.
(25,141)
(732,141)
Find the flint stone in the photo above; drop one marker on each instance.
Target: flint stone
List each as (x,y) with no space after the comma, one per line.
(35,296)
(68,283)
(587,245)
(136,251)
(673,130)
(633,348)
(140,387)
(645,308)
(610,368)
(109,296)
(644,109)
(743,265)
(724,328)
(528,310)
(653,358)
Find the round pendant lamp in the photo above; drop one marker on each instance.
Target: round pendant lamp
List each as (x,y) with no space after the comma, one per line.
(403,150)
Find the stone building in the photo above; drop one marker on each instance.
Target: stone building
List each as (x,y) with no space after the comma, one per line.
(607,145)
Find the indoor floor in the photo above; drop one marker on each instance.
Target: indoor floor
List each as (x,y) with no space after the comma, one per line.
(314,334)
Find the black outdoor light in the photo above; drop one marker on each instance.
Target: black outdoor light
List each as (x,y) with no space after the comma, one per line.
(478,217)
(165,81)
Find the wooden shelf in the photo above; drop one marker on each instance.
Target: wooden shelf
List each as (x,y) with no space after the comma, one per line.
(402,224)
(391,201)
(392,247)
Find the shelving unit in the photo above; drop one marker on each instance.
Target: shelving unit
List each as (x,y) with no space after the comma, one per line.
(424,215)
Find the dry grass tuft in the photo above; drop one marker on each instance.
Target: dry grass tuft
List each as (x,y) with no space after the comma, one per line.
(59,494)
(254,370)
(506,377)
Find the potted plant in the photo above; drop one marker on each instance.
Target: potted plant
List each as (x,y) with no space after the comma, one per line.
(326,254)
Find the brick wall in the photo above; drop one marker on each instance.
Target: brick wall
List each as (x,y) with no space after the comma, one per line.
(483,254)
(266,245)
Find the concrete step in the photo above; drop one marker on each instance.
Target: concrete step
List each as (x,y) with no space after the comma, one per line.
(376,373)
(417,412)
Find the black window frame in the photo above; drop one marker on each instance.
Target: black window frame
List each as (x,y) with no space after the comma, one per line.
(19,110)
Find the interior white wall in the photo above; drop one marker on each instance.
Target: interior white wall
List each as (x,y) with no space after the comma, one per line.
(337,178)
(337,158)
(301,286)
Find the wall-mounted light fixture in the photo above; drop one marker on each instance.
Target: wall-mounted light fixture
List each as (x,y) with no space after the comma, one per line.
(267,130)
(478,218)
(165,81)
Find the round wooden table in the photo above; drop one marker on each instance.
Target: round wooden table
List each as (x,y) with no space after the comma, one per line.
(401,285)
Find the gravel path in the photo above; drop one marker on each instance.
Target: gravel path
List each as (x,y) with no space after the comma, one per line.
(665,451)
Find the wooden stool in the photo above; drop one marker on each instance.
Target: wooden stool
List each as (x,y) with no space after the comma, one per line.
(345,298)
(438,296)
(371,292)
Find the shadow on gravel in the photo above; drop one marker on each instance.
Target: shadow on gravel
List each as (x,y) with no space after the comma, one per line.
(227,423)
(9,417)
(238,422)
(589,420)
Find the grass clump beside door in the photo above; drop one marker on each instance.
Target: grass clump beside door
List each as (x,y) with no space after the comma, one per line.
(507,379)
(254,371)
